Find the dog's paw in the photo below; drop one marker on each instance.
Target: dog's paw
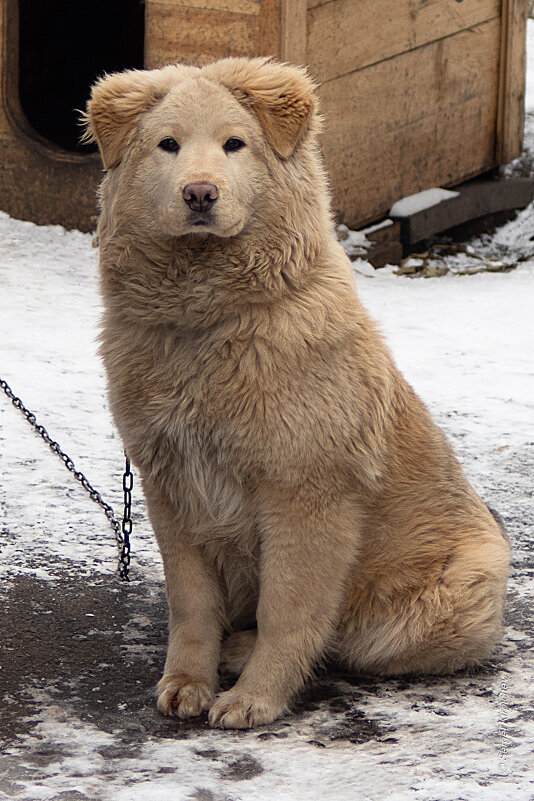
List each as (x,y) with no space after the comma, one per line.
(183,696)
(236,651)
(241,710)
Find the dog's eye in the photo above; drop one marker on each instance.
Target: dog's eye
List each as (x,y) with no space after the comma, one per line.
(233,144)
(169,145)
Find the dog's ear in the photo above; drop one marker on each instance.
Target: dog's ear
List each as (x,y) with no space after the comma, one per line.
(114,106)
(281,96)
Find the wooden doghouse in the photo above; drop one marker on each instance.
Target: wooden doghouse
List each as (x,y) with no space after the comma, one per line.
(416,93)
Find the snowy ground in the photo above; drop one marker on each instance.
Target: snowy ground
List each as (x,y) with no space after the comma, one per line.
(81,652)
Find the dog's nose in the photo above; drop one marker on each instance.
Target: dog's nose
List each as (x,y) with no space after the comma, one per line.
(200,196)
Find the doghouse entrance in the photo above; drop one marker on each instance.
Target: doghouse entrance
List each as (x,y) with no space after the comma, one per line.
(63,47)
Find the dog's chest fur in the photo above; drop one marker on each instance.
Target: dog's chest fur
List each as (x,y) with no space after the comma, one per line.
(216,391)
(212,412)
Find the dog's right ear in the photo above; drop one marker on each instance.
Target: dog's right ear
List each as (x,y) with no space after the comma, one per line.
(115,104)
(281,96)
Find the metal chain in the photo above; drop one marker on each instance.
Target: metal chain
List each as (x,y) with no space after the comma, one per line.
(127,524)
(122,531)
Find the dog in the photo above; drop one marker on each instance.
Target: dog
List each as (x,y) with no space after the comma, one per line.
(306,506)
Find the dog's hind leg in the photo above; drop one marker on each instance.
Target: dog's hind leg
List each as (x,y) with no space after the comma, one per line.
(452,624)
(236,651)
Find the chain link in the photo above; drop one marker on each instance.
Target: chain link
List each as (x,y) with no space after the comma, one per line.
(122,531)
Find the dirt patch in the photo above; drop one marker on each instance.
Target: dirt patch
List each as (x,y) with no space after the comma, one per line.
(75,640)
(98,646)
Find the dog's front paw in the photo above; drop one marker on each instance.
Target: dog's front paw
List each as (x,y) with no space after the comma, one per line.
(183,696)
(236,709)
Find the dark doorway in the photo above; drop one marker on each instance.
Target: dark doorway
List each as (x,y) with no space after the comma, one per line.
(63,47)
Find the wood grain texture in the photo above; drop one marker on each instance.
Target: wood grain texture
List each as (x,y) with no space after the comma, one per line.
(270,34)
(293,44)
(344,35)
(511,111)
(425,118)
(197,36)
(237,6)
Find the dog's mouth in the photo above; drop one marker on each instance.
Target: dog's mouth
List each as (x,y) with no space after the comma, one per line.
(214,228)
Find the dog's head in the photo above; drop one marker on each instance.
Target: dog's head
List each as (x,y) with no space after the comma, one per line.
(197,147)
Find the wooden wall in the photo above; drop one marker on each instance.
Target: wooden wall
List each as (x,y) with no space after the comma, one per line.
(200,31)
(414,102)
(416,93)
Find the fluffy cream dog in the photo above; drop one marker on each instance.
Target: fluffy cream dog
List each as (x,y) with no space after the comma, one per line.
(305,504)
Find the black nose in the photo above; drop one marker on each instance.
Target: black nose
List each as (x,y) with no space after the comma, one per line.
(201,196)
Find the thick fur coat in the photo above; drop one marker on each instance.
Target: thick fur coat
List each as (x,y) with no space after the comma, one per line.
(305,504)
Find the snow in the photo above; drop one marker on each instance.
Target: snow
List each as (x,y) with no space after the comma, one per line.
(420,201)
(379,226)
(90,649)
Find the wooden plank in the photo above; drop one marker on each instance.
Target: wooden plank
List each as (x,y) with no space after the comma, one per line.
(237,6)
(197,36)
(177,31)
(475,199)
(386,245)
(423,119)
(382,253)
(344,36)
(511,113)
(270,28)
(293,33)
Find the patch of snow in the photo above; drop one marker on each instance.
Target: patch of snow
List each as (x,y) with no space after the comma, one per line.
(412,204)
(418,760)
(352,238)
(372,229)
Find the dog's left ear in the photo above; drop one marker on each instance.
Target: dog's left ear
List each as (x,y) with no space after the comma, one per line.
(116,102)
(281,96)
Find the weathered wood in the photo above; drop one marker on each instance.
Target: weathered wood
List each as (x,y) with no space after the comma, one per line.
(270,28)
(293,41)
(425,118)
(237,6)
(39,185)
(511,110)
(475,199)
(344,36)
(199,31)
(196,36)
(386,245)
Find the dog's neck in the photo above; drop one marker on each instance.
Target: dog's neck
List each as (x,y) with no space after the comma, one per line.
(208,270)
